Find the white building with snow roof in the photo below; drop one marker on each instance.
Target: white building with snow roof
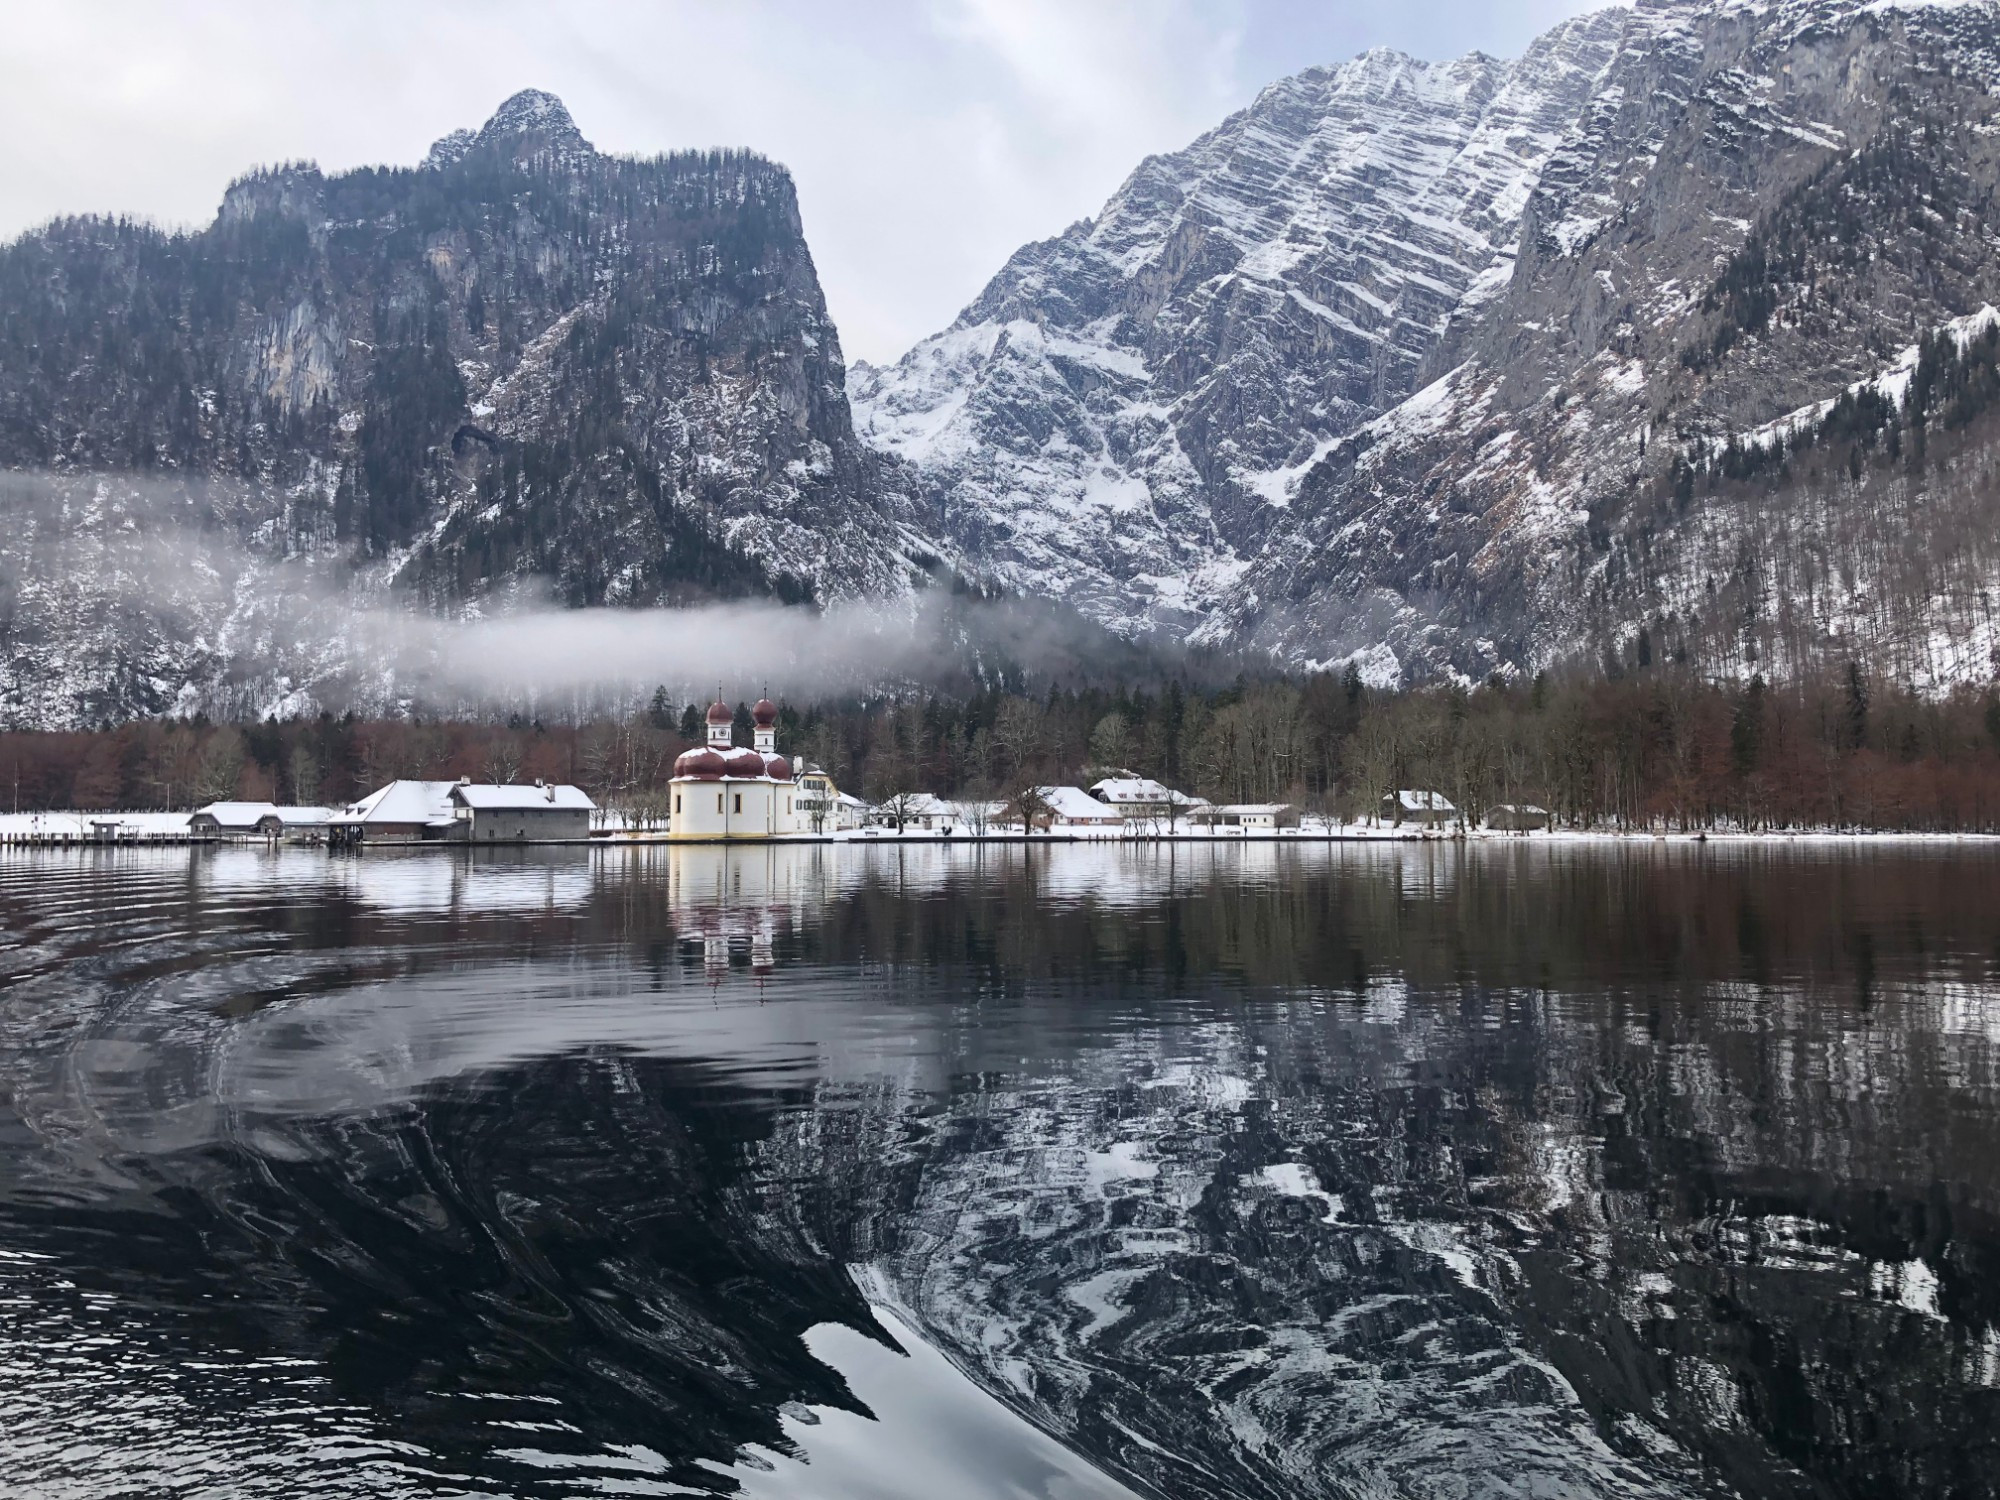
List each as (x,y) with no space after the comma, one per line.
(1253,816)
(1141,797)
(725,791)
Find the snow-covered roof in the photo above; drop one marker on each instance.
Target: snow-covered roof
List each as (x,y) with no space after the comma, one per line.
(1252,809)
(1123,790)
(250,814)
(1419,801)
(237,814)
(1115,789)
(405,802)
(487,798)
(1521,807)
(1072,804)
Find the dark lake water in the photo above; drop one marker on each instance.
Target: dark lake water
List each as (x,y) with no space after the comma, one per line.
(1077,1172)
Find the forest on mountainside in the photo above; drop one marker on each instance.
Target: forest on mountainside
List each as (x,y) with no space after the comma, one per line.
(1653,747)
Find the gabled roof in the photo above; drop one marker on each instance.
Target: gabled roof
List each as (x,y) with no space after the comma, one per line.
(1418,801)
(405,802)
(1072,804)
(1122,789)
(250,814)
(238,814)
(487,798)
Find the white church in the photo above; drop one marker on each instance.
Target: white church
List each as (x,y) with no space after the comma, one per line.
(724,791)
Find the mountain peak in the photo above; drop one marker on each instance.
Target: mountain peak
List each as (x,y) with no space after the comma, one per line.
(531,123)
(534,112)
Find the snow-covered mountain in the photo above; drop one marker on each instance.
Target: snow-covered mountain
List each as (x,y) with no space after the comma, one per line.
(1663,340)
(1125,410)
(1404,364)
(522,364)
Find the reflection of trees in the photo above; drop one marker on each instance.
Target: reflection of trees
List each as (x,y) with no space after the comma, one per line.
(1633,1171)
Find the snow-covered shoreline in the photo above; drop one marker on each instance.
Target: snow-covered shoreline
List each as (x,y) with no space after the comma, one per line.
(76,830)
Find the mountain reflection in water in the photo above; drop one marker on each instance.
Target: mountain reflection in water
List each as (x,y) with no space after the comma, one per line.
(1072,1172)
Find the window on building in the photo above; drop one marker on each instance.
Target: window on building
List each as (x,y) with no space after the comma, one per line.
(677,801)
(738,800)
(718,802)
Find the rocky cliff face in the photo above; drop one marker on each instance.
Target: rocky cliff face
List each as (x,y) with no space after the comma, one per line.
(1124,412)
(521,362)
(1440,369)
(1762,207)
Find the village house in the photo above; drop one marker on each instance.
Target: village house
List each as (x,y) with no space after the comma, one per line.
(1059,808)
(256,820)
(539,814)
(1142,799)
(722,791)
(1517,817)
(822,807)
(1427,809)
(931,813)
(1251,817)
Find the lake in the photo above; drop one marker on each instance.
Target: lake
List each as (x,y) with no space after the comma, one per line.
(1615,1169)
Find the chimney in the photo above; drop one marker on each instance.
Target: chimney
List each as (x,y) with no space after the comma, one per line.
(551,793)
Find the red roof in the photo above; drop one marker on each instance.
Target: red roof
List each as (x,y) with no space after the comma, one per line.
(703,764)
(721,713)
(765,714)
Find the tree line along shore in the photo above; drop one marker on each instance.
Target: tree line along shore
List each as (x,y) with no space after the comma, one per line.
(1657,748)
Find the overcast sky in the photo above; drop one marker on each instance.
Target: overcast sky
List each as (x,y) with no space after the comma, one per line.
(929,138)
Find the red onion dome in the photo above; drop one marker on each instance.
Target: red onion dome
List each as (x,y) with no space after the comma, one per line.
(702,764)
(721,713)
(765,714)
(742,763)
(777,768)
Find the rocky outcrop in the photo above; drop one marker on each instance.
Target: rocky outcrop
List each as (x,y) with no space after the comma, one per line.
(522,365)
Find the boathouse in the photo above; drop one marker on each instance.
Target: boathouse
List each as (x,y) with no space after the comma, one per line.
(540,814)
